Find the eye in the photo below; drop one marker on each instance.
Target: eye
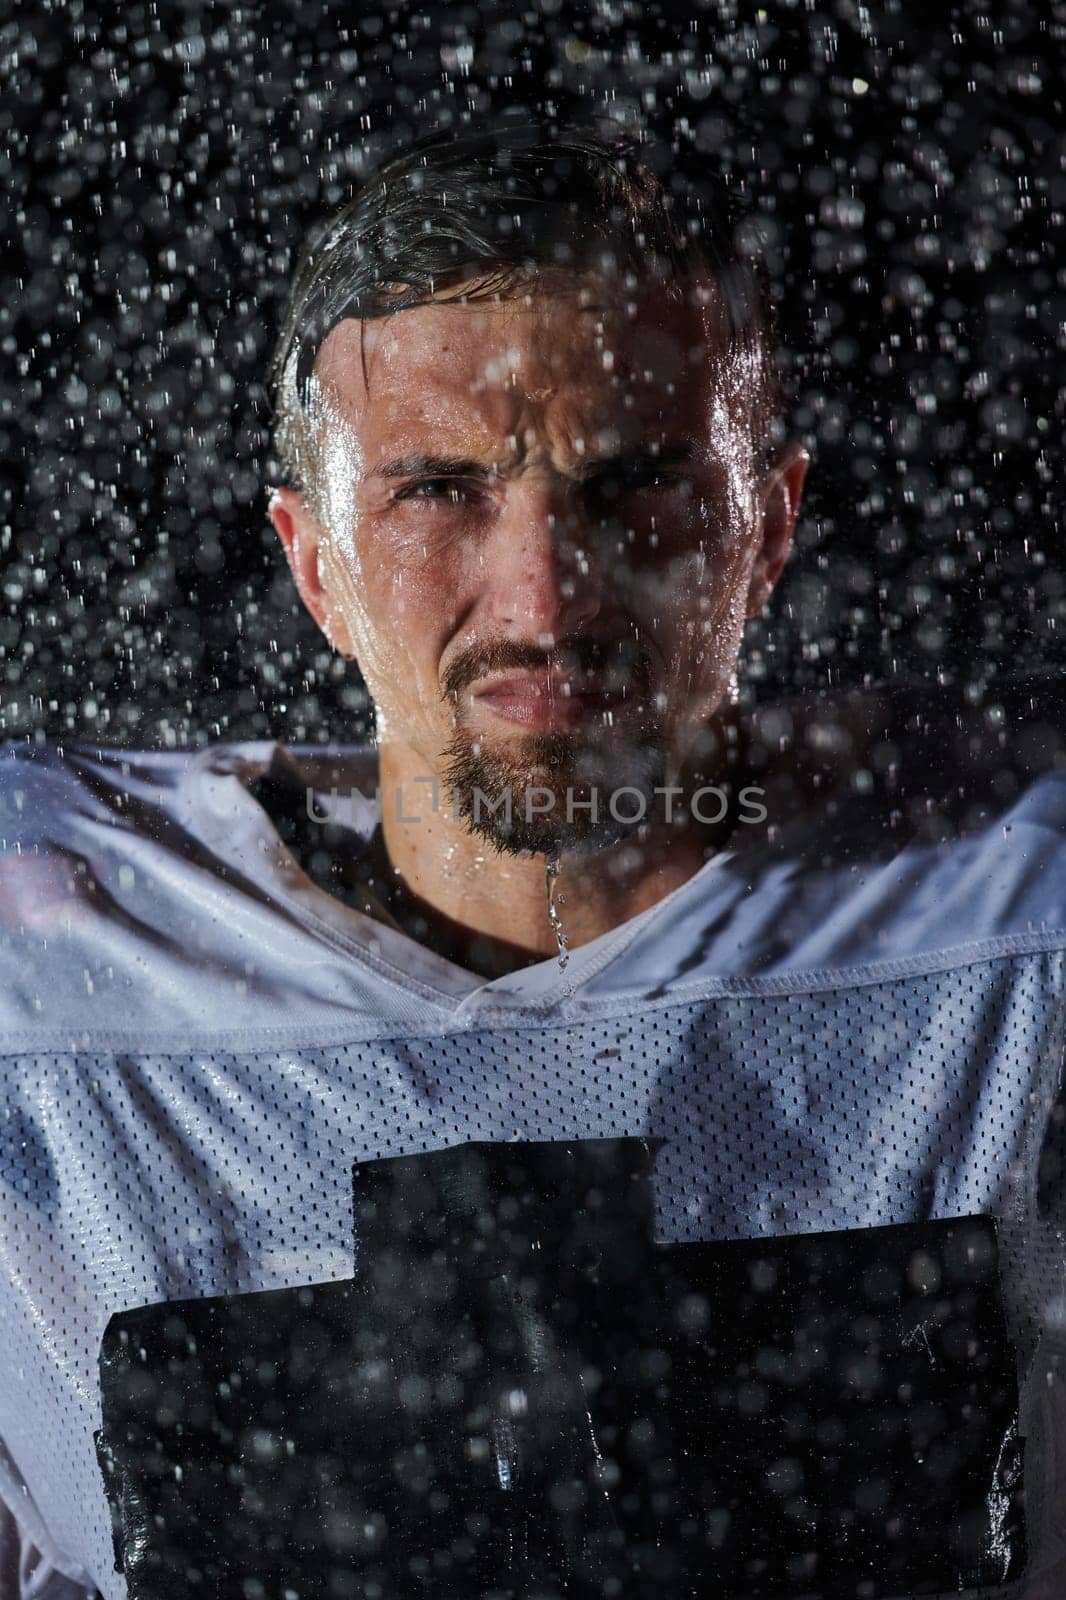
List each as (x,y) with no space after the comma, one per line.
(611,485)
(649,479)
(433,489)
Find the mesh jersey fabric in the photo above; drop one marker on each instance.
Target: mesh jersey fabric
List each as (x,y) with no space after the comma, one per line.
(197,1042)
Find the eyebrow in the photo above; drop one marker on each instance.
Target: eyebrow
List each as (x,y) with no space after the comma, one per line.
(423,466)
(417,465)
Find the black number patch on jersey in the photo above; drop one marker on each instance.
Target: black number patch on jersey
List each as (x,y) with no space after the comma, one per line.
(519,1394)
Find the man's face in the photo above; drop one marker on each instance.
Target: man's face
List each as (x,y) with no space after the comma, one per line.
(541,529)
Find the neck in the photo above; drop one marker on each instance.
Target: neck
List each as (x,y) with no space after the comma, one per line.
(489,911)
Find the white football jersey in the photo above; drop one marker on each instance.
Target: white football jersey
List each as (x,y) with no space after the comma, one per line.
(830,1063)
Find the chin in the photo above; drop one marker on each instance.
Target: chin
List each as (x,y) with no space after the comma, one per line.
(502,790)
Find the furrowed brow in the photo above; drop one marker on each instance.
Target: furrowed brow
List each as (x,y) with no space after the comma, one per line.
(419,465)
(426,466)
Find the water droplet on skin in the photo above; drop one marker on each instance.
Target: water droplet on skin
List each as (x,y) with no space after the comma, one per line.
(551,874)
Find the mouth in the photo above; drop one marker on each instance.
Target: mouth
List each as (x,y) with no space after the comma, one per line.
(550,700)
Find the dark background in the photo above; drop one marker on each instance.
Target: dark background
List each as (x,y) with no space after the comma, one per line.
(160,162)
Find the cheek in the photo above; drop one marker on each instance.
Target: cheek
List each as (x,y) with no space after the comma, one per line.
(398,606)
(422,593)
(695,602)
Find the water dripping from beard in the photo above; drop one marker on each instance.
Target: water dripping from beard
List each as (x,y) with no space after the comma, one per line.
(551,874)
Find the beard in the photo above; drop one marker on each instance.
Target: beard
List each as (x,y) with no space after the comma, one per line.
(551,792)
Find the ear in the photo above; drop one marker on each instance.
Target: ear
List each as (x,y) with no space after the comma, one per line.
(301,536)
(779,502)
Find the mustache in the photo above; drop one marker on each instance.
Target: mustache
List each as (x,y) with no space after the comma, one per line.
(623,659)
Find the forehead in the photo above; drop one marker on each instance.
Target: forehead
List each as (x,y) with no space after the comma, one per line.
(582,349)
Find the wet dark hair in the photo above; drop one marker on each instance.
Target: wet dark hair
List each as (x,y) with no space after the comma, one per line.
(495,211)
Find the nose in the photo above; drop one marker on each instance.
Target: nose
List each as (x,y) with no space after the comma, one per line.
(539,566)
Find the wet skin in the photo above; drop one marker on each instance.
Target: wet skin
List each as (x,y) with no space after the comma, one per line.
(538,515)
